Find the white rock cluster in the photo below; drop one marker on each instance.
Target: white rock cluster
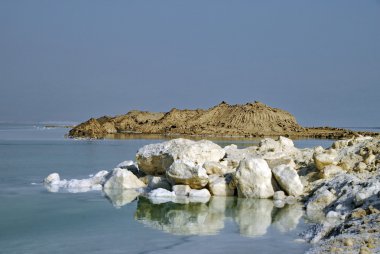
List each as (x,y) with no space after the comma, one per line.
(180,170)
(202,168)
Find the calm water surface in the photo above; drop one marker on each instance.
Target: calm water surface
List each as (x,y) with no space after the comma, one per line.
(33,220)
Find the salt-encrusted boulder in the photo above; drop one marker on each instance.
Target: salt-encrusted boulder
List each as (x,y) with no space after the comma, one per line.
(82,185)
(52,179)
(320,200)
(371,189)
(253,179)
(219,186)
(281,145)
(155,182)
(281,160)
(181,190)
(155,159)
(161,193)
(160,196)
(331,171)
(235,155)
(288,179)
(187,173)
(203,193)
(325,158)
(122,179)
(216,168)
(131,166)
(54,183)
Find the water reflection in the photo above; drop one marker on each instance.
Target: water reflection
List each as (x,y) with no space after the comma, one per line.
(119,197)
(253,217)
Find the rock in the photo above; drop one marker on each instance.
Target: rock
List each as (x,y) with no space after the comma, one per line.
(155,182)
(288,179)
(122,179)
(269,145)
(199,196)
(131,166)
(160,196)
(331,171)
(348,242)
(283,160)
(188,173)
(279,195)
(286,143)
(325,158)
(358,213)
(370,159)
(332,215)
(253,178)
(82,185)
(216,168)
(100,177)
(181,190)
(155,159)
(372,188)
(157,193)
(321,199)
(203,193)
(219,186)
(361,166)
(235,155)
(52,179)
(53,183)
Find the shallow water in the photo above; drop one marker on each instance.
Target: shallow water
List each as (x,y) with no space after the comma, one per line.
(33,220)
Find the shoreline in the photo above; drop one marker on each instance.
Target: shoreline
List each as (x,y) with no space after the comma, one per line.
(339,186)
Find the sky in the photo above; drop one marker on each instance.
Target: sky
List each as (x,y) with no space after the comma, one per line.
(75,59)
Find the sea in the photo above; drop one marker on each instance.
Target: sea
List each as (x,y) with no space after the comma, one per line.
(33,219)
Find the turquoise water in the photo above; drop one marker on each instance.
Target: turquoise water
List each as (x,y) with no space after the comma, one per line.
(33,220)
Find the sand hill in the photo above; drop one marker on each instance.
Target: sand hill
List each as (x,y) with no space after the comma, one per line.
(248,120)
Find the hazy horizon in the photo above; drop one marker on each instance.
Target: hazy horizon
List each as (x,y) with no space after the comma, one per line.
(72,60)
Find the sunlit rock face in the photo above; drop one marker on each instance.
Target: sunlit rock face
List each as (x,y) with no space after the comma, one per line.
(254,179)
(155,159)
(180,219)
(187,173)
(122,179)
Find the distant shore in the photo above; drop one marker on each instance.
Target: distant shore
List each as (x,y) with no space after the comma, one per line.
(251,120)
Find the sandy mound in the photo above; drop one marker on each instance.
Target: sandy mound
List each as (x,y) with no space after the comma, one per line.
(248,120)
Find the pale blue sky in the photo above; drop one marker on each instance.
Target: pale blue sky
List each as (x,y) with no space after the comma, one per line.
(71,60)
